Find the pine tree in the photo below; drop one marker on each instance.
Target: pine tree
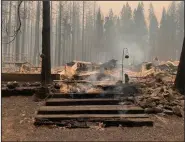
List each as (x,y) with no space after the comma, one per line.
(37,41)
(56,41)
(126,23)
(29,37)
(78,33)
(98,32)
(73,31)
(32,39)
(4,23)
(140,29)
(90,28)
(51,34)
(171,30)
(17,47)
(109,33)
(140,23)
(83,15)
(24,25)
(118,27)
(180,27)
(66,37)
(153,31)
(9,27)
(162,37)
(59,33)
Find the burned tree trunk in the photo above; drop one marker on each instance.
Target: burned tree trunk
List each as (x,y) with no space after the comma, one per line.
(9,26)
(17,45)
(59,33)
(180,78)
(51,34)
(83,33)
(23,48)
(46,60)
(36,48)
(73,33)
(56,42)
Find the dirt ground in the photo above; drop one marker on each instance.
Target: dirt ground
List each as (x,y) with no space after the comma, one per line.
(17,125)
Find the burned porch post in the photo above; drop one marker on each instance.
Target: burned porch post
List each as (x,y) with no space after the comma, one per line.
(46,59)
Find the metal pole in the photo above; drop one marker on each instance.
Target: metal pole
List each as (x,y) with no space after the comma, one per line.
(122,64)
(123,56)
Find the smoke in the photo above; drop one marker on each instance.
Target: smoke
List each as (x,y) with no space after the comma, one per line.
(137,54)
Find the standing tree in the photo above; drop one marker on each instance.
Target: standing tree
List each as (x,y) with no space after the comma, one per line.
(126,23)
(51,34)
(140,28)
(65,39)
(4,22)
(109,27)
(83,31)
(24,28)
(73,31)
(162,37)
(153,31)
(31,39)
(171,30)
(9,25)
(36,47)
(89,34)
(180,78)
(59,33)
(17,45)
(98,31)
(180,27)
(78,31)
(56,41)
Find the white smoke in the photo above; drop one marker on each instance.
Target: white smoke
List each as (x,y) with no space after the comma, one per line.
(136,54)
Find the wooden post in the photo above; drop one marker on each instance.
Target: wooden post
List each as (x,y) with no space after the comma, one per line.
(46,59)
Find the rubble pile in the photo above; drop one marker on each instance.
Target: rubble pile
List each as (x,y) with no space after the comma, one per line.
(66,72)
(159,96)
(79,88)
(12,85)
(156,92)
(95,90)
(157,89)
(15,84)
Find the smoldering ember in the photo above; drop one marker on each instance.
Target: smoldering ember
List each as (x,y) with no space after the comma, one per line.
(68,64)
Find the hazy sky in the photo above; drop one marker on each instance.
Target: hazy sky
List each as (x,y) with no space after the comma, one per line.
(117,6)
